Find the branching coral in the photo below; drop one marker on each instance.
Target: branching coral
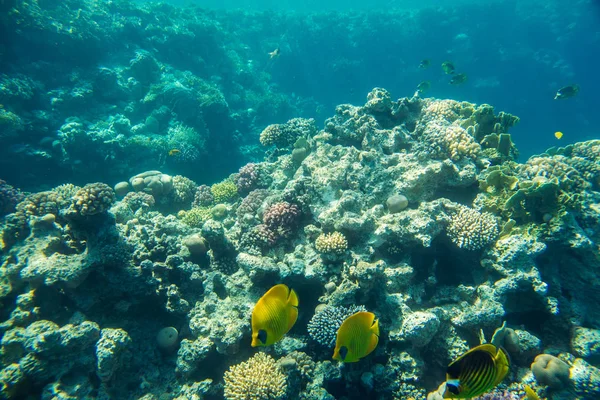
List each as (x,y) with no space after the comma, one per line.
(259,378)
(203,197)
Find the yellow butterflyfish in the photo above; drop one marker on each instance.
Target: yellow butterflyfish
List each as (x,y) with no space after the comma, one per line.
(357,337)
(274,315)
(476,372)
(558,135)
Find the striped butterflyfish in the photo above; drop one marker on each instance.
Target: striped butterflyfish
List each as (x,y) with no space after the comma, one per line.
(476,372)
(274,315)
(357,337)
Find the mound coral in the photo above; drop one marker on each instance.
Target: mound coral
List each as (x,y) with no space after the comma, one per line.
(224,192)
(472,230)
(184,190)
(247,178)
(9,198)
(93,198)
(550,371)
(259,378)
(282,218)
(203,197)
(331,243)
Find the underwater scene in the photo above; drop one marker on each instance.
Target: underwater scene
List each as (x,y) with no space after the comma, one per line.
(281,200)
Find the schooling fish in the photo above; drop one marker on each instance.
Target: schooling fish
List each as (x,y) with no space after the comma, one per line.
(274,315)
(448,67)
(476,372)
(424,64)
(423,87)
(558,135)
(458,79)
(357,337)
(566,92)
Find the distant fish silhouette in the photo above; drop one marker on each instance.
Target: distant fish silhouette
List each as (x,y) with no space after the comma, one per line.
(174,152)
(448,67)
(567,92)
(425,64)
(275,53)
(458,79)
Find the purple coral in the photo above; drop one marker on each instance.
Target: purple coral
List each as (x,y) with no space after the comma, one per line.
(282,218)
(203,197)
(9,198)
(247,179)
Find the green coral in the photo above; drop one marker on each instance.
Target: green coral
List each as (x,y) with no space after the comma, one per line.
(224,192)
(195,217)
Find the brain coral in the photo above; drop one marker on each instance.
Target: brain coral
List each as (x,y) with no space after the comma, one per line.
(551,371)
(469,229)
(93,198)
(323,326)
(259,378)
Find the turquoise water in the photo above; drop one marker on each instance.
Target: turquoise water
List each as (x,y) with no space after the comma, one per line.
(405,167)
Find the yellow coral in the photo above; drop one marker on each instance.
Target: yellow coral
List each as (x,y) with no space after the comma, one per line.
(195,217)
(224,191)
(259,378)
(331,243)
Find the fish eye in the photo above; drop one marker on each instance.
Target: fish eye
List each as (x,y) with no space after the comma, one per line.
(343,352)
(262,336)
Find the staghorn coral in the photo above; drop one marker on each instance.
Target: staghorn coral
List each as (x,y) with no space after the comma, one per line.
(324,324)
(93,198)
(331,243)
(472,230)
(259,378)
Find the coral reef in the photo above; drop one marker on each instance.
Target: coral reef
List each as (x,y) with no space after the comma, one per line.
(413,209)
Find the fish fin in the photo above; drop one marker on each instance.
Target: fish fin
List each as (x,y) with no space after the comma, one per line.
(293,298)
(280,291)
(375,327)
(292,317)
(502,365)
(373,340)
